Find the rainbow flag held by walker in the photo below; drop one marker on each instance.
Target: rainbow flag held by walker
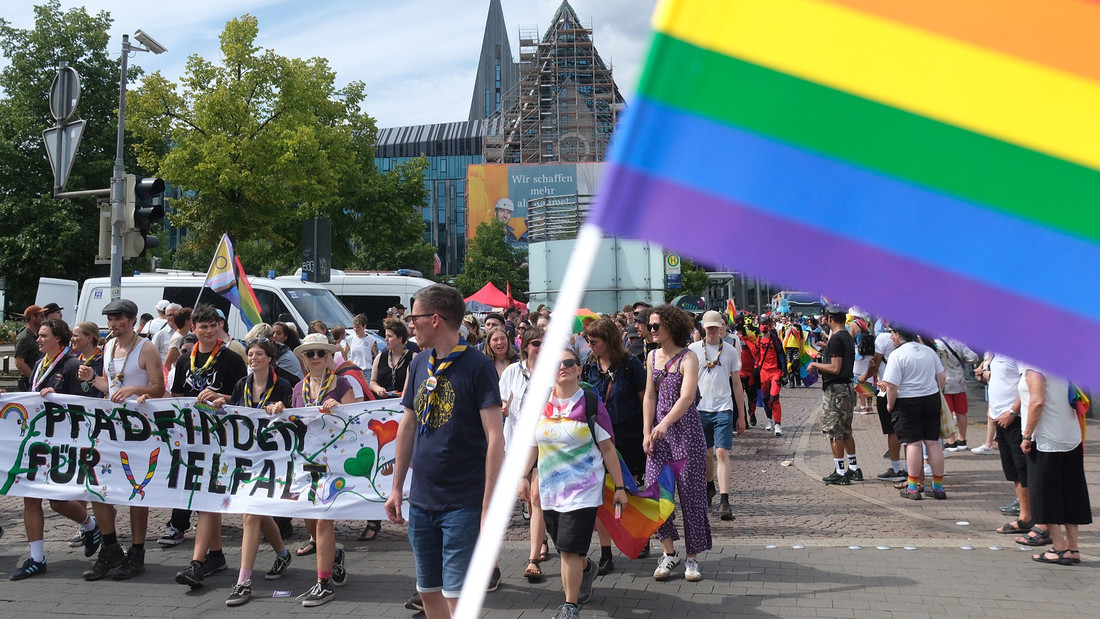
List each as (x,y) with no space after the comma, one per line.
(226,277)
(646,510)
(966,133)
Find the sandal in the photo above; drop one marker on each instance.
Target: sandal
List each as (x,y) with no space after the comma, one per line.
(533,572)
(307,549)
(371,531)
(544,551)
(1016,526)
(1061,557)
(1036,537)
(1077,555)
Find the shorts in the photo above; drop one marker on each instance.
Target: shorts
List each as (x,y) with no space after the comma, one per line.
(885,418)
(956,403)
(917,419)
(838,402)
(718,428)
(1013,461)
(443,544)
(572,530)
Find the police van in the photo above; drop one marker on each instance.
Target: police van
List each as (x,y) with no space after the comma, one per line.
(372,293)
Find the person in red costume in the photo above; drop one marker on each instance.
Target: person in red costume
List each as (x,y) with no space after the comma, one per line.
(771,363)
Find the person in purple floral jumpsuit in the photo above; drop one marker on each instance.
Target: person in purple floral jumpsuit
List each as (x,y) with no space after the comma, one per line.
(673,431)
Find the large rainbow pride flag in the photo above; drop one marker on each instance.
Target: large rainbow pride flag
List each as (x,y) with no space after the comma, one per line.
(226,277)
(936,162)
(646,509)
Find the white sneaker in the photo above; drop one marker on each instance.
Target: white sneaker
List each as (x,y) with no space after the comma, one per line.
(778,430)
(768,426)
(983,450)
(691,571)
(664,566)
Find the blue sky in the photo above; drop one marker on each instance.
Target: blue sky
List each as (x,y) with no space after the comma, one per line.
(416,57)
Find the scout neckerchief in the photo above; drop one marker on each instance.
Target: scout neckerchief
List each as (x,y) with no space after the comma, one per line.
(708,364)
(424,413)
(92,358)
(267,394)
(46,367)
(326,386)
(209,360)
(668,364)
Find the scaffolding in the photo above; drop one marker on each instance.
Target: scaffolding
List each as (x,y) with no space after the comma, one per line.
(566,104)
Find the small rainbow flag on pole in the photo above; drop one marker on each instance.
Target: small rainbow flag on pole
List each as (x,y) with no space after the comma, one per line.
(645,512)
(226,277)
(966,132)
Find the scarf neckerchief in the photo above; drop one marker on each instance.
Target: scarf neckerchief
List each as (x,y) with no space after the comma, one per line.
(209,361)
(92,358)
(424,413)
(326,386)
(47,367)
(708,364)
(267,394)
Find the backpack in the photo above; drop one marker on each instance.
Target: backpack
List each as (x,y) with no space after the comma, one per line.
(354,372)
(865,344)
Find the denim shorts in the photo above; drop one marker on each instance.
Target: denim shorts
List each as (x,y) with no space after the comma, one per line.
(443,544)
(718,428)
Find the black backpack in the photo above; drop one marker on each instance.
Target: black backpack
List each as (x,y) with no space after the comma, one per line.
(866,345)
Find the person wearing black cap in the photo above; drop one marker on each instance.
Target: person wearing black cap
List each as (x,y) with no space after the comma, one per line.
(51,310)
(838,396)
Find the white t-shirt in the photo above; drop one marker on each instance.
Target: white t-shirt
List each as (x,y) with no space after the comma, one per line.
(714,383)
(912,369)
(155,325)
(571,467)
(513,388)
(1058,428)
(359,350)
(1004,382)
(163,341)
(884,345)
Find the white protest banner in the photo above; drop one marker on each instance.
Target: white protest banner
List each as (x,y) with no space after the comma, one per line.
(180,453)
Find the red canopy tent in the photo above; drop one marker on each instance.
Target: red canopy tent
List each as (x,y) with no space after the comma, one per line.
(492,296)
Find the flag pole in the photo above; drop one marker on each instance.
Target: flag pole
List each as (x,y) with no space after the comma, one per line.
(495,521)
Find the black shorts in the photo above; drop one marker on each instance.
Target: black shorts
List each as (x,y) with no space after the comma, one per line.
(884,419)
(571,531)
(1059,493)
(917,419)
(1013,462)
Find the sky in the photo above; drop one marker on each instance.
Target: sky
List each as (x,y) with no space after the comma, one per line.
(417,57)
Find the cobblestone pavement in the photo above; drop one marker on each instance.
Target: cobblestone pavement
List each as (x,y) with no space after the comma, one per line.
(797,548)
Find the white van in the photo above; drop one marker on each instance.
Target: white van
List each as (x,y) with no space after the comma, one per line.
(280,299)
(372,292)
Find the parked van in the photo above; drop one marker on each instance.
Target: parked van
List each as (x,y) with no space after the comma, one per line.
(280,299)
(372,293)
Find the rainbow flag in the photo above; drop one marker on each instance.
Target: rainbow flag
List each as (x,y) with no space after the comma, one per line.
(645,511)
(226,277)
(731,312)
(249,305)
(966,132)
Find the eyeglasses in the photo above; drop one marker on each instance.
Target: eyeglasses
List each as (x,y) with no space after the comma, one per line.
(654,326)
(535,343)
(415,316)
(568,363)
(312,354)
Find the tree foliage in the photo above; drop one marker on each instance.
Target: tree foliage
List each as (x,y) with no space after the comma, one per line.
(693,280)
(490,258)
(42,236)
(259,143)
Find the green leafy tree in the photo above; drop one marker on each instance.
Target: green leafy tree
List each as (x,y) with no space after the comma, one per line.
(490,258)
(258,144)
(693,280)
(43,236)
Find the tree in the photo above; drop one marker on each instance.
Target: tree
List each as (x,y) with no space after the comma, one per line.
(42,236)
(490,258)
(260,143)
(693,280)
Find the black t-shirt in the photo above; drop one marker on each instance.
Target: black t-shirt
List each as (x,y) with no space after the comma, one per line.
(449,455)
(281,393)
(840,345)
(228,368)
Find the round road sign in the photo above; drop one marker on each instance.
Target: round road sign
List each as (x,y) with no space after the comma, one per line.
(64,94)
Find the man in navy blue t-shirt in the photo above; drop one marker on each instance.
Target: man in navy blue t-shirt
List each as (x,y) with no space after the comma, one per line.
(452,435)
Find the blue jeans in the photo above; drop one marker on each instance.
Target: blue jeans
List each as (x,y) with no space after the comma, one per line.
(718,428)
(443,544)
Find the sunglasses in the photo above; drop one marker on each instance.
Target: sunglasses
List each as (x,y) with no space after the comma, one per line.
(257,340)
(535,343)
(654,326)
(568,363)
(313,354)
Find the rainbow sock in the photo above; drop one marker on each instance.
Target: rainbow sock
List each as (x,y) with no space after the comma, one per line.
(937,483)
(914,486)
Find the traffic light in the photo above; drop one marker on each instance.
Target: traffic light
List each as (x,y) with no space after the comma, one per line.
(144,205)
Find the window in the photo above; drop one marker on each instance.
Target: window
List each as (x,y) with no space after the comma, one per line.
(373,307)
(270,306)
(442,165)
(488,101)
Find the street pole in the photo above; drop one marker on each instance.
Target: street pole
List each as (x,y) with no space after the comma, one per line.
(118,180)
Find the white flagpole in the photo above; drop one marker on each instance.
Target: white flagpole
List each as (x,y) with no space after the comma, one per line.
(496,520)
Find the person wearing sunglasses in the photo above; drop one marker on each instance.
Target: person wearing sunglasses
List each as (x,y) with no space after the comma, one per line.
(571,459)
(673,430)
(264,389)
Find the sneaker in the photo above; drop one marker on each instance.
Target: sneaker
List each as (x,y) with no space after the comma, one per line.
(691,571)
(588,581)
(837,479)
(768,425)
(644,554)
(318,595)
(240,594)
(132,565)
(213,564)
(856,475)
(525,510)
(279,568)
(607,565)
(339,572)
(915,496)
(956,446)
(752,420)
(983,450)
(77,540)
(30,568)
(778,430)
(92,540)
(193,575)
(172,537)
(109,558)
(725,512)
(1012,509)
(664,566)
(892,475)
(494,580)
(939,495)
(414,603)
(568,611)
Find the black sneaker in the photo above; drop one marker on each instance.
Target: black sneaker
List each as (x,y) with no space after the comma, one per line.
(109,558)
(415,603)
(172,537)
(213,564)
(92,540)
(494,581)
(725,512)
(240,594)
(892,475)
(644,554)
(193,575)
(1012,509)
(318,595)
(856,475)
(339,572)
(607,565)
(752,420)
(279,568)
(837,479)
(30,568)
(588,581)
(133,565)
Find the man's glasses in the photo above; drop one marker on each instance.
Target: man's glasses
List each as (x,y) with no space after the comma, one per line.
(415,316)
(654,326)
(313,354)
